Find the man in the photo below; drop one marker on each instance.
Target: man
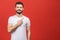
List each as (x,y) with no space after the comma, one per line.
(18,24)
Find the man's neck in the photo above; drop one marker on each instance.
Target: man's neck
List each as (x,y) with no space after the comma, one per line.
(19,15)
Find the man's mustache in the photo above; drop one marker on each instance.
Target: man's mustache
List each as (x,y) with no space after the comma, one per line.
(19,10)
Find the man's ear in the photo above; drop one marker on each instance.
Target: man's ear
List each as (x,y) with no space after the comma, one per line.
(23,8)
(15,8)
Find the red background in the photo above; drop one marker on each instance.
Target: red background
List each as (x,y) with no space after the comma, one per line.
(44,15)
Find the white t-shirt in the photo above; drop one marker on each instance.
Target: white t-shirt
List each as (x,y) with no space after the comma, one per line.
(20,32)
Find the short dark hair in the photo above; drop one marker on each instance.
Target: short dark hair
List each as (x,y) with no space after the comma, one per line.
(19,3)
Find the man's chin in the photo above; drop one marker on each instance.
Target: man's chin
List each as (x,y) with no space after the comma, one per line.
(19,12)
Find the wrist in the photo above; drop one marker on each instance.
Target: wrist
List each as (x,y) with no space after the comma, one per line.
(16,25)
(28,39)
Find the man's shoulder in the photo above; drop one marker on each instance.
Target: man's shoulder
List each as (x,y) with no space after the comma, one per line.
(11,17)
(27,18)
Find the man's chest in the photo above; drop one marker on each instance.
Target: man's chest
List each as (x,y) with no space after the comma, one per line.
(15,21)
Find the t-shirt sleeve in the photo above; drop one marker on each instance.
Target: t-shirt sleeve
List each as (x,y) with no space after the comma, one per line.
(10,20)
(28,22)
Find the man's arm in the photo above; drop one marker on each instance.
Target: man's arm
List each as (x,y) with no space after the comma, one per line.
(12,28)
(29,33)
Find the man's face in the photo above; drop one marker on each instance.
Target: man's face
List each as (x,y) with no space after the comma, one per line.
(19,8)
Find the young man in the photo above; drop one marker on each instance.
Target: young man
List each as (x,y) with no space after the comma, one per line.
(18,24)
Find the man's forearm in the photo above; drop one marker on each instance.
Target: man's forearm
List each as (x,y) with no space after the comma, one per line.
(29,35)
(12,28)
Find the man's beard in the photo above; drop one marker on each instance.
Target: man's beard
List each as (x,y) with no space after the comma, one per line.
(19,12)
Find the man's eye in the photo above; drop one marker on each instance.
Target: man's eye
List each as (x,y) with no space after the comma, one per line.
(21,7)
